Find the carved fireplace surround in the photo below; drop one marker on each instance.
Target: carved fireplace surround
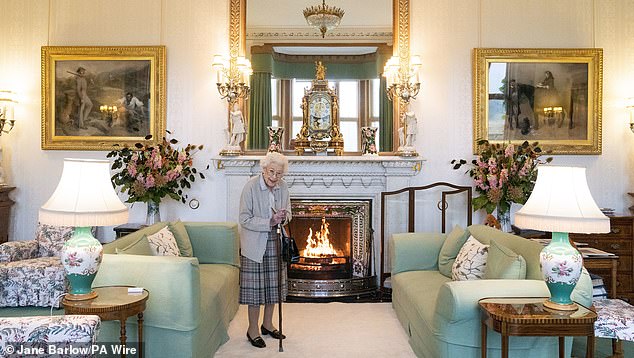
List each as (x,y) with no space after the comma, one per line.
(322,177)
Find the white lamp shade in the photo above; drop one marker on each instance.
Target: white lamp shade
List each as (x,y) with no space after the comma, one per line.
(561,202)
(84,197)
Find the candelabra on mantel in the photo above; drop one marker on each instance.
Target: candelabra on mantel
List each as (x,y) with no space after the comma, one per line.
(403,85)
(233,85)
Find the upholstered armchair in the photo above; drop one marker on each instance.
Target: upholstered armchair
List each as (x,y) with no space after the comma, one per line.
(31,272)
(37,332)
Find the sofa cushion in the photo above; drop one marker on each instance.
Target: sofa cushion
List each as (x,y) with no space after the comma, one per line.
(504,263)
(163,243)
(529,249)
(139,247)
(182,238)
(471,261)
(450,248)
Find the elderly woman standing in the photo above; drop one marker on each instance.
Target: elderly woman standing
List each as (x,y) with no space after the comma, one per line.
(264,204)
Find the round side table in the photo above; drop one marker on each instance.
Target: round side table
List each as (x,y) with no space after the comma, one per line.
(113,303)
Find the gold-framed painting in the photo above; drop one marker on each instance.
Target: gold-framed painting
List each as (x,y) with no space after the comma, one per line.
(101,97)
(552,96)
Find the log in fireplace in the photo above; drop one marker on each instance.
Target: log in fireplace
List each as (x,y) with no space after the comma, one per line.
(334,238)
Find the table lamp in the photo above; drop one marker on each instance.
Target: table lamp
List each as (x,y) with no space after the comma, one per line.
(561,203)
(84,198)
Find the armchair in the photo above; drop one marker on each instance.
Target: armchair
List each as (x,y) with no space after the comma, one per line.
(31,272)
(39,331)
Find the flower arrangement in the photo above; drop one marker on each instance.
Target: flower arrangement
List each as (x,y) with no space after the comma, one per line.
(149,173)
(503,174)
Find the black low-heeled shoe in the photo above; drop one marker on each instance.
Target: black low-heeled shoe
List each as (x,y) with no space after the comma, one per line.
(274,333)
(257,341)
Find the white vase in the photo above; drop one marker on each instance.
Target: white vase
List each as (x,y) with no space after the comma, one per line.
(505,220)
(153,212)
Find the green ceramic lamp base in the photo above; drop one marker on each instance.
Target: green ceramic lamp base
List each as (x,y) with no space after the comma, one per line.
(561,267)
(81,256)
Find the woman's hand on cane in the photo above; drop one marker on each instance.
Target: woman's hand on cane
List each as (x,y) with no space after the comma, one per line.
(278,216)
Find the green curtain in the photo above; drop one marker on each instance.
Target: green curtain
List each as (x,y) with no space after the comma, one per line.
(260,110)
(306,70)
(386,125)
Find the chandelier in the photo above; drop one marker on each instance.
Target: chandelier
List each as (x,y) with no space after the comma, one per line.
(323,17)
(232,77)
(402,83)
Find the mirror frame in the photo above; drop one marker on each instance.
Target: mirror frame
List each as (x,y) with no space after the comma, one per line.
(400,46)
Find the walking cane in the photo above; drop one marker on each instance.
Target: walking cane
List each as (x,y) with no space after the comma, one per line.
(279,281)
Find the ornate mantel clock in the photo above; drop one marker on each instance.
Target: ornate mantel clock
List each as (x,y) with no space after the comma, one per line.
(320,130)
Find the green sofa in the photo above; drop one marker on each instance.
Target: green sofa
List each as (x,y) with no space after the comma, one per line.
(442,317)
(192,299)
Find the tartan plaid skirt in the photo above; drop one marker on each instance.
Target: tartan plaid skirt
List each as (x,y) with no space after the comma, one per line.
(259,281)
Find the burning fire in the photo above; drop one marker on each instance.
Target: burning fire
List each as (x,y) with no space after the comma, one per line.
(320,245)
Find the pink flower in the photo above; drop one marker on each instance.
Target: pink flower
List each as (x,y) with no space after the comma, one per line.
(132,168)
(504,176)
(493,180)
(149,181)
(156,159)
(509,151)
(181,157)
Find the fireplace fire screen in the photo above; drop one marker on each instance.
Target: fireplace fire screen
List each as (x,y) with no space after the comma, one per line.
(334,238)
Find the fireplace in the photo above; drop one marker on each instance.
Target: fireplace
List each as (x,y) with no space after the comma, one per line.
(331,178)
(334,238)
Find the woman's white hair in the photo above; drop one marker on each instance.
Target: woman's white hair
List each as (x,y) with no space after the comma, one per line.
(274,157)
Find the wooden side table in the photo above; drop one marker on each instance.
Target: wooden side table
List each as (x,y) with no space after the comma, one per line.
(5,212)
(128,228)
(113,303)
(610,263)
(521,316)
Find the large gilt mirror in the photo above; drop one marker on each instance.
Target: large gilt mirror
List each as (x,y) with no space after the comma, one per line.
(283,50)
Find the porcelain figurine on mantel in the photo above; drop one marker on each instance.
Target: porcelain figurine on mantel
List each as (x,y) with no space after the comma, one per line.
(236,133)
(407,135)
(368,141)
(275,139)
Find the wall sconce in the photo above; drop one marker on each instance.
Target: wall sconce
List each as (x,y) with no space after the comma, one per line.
(232,77)
(6,111)
(402,82)
(629,104)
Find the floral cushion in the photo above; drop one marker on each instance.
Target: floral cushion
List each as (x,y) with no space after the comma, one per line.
(163,243)
(39,331)
(35,282)
(51,239)
(615,319)
(18,250)
(471,261)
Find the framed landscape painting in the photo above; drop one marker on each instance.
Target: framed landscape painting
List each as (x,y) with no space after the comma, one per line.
(94,98)
(552,96)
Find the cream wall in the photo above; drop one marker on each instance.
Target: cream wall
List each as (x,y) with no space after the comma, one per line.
(443,32)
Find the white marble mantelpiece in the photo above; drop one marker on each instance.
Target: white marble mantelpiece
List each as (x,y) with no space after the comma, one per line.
(326,177)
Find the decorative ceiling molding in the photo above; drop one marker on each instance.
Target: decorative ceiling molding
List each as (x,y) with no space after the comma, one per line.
(326,58)
(348,34)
